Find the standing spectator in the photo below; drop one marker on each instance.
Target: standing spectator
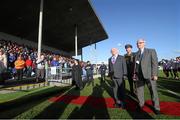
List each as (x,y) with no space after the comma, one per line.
(165,68)
(147,72)
(89,72)
(84,77)
(33,68)
(171,67)
(130,57)
(40,73)
(28,66)
(65,66)
(103,69)
(76,74)
(3,58)
(176,65)
(19,65)
(3,66)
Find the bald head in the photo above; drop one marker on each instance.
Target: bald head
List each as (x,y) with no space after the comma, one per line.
(141,43)
(114,51)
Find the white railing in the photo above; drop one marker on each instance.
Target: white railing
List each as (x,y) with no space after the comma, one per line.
(59,74)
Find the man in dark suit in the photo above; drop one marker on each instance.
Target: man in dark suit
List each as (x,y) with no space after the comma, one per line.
(130,57)
(89,72)
(147,72)
(103,69)
(117,72)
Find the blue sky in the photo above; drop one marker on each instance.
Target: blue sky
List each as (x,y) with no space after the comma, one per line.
(157,21)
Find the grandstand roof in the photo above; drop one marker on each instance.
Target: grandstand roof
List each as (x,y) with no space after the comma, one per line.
(21,18)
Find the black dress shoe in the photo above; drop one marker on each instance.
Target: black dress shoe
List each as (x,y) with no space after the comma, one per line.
(116,105)
(157,112)
(139,109)
(123,105)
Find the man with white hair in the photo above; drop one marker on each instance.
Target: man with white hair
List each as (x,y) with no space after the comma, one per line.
(117,71)
(40,72)
(147,72)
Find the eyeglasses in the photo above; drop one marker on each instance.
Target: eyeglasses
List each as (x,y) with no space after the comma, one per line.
(140,42)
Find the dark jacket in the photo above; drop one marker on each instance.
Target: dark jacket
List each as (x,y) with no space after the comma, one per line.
(130,62)
(76,72)
(77,75)
(118,69)
(103,69)
(89,69)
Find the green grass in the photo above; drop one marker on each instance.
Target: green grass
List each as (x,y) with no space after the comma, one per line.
(34,103)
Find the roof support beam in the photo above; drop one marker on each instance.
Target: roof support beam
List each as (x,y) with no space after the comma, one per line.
(76,41)
(40,28)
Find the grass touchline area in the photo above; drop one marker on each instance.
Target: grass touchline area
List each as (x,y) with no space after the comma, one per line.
(36,103)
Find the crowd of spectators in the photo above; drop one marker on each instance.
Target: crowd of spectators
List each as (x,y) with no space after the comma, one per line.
(171,68)
(19,60)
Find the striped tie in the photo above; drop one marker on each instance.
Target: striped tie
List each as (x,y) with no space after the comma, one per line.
(113,60)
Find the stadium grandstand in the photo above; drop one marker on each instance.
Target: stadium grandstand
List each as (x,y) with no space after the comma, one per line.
(60,19)
(66,27)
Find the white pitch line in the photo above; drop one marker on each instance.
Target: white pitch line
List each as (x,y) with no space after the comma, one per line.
(170,91)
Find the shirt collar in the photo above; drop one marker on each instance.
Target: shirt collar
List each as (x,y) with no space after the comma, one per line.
(141,50)
(115,56)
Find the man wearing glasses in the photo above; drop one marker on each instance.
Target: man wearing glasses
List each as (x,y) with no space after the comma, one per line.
(147,72)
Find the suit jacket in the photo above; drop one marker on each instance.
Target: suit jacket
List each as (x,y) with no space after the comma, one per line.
(103,69)
(148,64)
(118,69)
(130,62)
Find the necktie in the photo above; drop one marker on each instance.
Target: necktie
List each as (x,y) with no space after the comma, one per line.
(113,60)
(141,55)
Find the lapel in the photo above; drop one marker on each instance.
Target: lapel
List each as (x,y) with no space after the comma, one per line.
(138,55)
(116,59)
(110,60)
(144,54)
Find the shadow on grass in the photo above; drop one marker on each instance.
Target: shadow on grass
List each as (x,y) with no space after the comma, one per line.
(170,84)
(15,107)
(57,108)
(13,83)
(107,86)
(91,109)
(135,114)
(170,95)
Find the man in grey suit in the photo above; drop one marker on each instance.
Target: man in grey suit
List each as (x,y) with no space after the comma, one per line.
(117,72)
(147,72)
